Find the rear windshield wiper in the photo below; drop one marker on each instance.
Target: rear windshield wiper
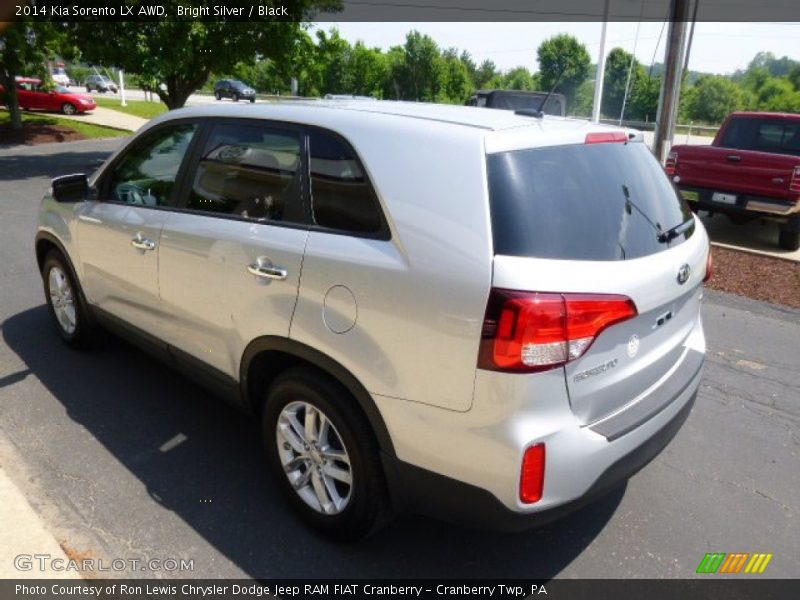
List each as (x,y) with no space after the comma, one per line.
(673,232)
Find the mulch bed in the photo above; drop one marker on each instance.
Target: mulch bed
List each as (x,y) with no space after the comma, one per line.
(37,133)
(759,277)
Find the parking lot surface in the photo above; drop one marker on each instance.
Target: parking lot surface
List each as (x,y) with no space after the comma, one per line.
(124,458)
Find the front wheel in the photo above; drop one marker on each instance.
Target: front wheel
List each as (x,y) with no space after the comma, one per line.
(66,303)
(68,109)
(235,97)
(252,100)
(217,95)
(322,452)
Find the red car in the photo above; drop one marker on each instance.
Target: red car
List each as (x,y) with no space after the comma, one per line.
(31,95)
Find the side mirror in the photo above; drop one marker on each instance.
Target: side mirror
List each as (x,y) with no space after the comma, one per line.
(70,188)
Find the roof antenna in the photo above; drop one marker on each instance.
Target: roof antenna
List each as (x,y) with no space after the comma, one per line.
(539,112)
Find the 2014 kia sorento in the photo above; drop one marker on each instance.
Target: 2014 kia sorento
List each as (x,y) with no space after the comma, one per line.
(481,315)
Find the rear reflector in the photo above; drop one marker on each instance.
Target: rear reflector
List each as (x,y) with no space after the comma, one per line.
(605,137)
(709,267)
(531,483)
(671,164)
(533,331)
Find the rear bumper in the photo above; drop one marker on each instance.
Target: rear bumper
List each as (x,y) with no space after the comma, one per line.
(445,498)
(465,467)
(779,209)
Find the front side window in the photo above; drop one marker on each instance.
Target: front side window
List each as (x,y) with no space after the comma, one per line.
(341,195)
(146,174)
(250,171)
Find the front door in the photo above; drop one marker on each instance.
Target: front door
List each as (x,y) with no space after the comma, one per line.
(119,234)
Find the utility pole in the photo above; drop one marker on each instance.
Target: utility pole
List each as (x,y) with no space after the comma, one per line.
(671,86)
(601,69)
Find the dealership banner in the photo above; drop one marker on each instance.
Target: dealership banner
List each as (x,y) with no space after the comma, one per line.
(427,589)
(395,10)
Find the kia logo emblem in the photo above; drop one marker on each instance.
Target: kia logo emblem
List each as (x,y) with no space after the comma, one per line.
(683,274)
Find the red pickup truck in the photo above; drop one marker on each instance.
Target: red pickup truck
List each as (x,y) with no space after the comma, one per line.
(750,171)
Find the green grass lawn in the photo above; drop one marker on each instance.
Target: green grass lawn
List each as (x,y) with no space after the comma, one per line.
(88,130)
(138,108)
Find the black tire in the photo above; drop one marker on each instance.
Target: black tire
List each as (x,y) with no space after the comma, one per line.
(218,96)
(88,90)
(86,332)
(789,240)
(252,100)
(368,505)
(235,97)
(68,108)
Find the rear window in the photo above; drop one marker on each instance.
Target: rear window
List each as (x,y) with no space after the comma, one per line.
(763,135)
(582,202)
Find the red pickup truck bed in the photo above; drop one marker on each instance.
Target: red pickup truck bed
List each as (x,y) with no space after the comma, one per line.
(751,170)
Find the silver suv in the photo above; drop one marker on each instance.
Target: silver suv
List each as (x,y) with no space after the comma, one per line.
(479,315)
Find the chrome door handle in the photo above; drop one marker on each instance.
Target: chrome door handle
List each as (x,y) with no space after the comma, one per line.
(142,243)
(267,272)
(734,158)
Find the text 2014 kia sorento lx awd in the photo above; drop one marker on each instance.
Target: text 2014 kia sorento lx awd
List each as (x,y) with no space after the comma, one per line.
(474,314)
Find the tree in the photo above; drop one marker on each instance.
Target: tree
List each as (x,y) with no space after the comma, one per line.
(519,78)
(456,82)
(618,63)
(334,57)
(487,76)
(420,73)
(563,59)
(714,98)
(643,103)
(369,68)
(181,54)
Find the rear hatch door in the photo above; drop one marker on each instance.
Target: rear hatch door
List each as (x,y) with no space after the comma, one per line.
(586,219)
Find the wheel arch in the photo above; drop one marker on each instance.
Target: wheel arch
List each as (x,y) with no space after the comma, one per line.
(44,243)
(267,357)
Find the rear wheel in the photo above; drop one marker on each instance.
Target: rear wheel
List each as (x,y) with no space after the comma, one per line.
(68,109)
(88,90)
(66,303)
(322,452)
(789,240)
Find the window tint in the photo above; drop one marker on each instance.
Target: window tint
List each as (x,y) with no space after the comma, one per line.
(582,202)
(250,171)
(146,175)
(341,196)
(763,135)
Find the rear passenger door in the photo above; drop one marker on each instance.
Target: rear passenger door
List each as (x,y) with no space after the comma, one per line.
(230,256)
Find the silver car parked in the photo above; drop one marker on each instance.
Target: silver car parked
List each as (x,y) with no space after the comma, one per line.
(479,315)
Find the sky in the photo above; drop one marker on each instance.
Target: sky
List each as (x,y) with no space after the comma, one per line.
(716,47)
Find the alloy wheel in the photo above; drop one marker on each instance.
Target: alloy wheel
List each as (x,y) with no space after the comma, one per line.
(314,458)
(62,299)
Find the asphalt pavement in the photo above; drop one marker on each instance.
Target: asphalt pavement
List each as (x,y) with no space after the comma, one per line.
(123,458)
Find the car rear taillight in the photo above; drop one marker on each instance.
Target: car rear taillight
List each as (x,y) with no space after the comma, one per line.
(526,332)
(605,137)
(531,481)
(794,184)
(671,164)
(709,268)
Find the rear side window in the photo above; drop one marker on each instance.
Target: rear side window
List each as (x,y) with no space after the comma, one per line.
(582,202)
(341,195)
(249,171)
(763,135)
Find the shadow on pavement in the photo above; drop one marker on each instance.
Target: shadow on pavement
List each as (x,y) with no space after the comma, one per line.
(135,407)
(29,165)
